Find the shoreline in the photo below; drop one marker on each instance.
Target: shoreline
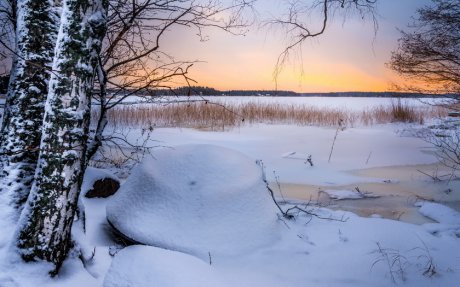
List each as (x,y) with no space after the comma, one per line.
(399,188)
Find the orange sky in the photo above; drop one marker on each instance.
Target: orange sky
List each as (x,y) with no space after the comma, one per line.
(347,58)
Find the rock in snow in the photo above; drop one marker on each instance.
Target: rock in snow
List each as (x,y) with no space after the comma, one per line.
(197,199)
(95,175)
(103,188)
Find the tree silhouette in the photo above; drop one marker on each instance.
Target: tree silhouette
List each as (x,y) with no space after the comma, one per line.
(430,53)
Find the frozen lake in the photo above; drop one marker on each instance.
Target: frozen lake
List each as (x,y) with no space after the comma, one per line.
(342,103)
(346,103)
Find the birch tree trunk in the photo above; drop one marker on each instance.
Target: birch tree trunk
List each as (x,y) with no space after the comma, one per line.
(96,142)
(45,223)
(23,115)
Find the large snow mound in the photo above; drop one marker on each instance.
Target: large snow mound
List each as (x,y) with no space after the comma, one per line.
(149,266)
(198,199)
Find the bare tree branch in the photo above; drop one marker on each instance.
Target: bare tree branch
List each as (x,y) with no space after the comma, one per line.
(429,54)
(297,27)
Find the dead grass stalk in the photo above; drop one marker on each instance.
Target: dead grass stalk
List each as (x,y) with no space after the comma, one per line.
(205,115)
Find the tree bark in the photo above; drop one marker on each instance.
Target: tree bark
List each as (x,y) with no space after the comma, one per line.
(23,115)
(96,141)
(45,224)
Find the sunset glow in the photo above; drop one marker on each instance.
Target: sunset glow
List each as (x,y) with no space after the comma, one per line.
(348,57)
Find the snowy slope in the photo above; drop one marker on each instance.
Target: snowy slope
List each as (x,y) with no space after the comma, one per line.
(321,253)
(355,148)
(358,252)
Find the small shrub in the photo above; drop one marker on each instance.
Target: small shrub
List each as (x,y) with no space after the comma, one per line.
(402,112)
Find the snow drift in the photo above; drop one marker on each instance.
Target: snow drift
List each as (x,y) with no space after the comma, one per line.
(144,266)
(197,199)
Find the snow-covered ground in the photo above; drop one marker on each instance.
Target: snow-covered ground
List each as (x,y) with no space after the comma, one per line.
(341,103)
(285,149)
(337,248)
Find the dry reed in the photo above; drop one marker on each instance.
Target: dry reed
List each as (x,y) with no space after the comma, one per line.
(204,115)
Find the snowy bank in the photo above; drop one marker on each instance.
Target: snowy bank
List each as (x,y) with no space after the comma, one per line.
(439,212)
(448,219)
(359,252)
(303,252)
(198,199)
(144,266)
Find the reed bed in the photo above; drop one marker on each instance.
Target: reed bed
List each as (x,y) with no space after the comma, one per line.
(206,115)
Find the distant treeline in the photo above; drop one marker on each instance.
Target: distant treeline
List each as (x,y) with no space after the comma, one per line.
(207,91)
(381,95)
(370,94)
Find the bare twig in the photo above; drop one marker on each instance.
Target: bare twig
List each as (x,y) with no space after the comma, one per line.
(368,157)
(309,160)
(339,128)
(291,212)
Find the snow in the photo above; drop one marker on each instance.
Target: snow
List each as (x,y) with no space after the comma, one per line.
(285,148)
(439,212)
(343,194)
(166,269)
(97,229)
(265,250)
(198,199)
(348,194)
(357,104)
(320,253)
(7,217)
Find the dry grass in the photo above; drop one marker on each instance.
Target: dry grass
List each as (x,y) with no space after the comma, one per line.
(204,115)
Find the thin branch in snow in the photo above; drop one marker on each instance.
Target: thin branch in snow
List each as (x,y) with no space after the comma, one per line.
(295,210)
(339,128)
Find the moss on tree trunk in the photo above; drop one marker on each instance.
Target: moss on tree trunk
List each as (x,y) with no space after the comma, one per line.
(20,135)
(44,232)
